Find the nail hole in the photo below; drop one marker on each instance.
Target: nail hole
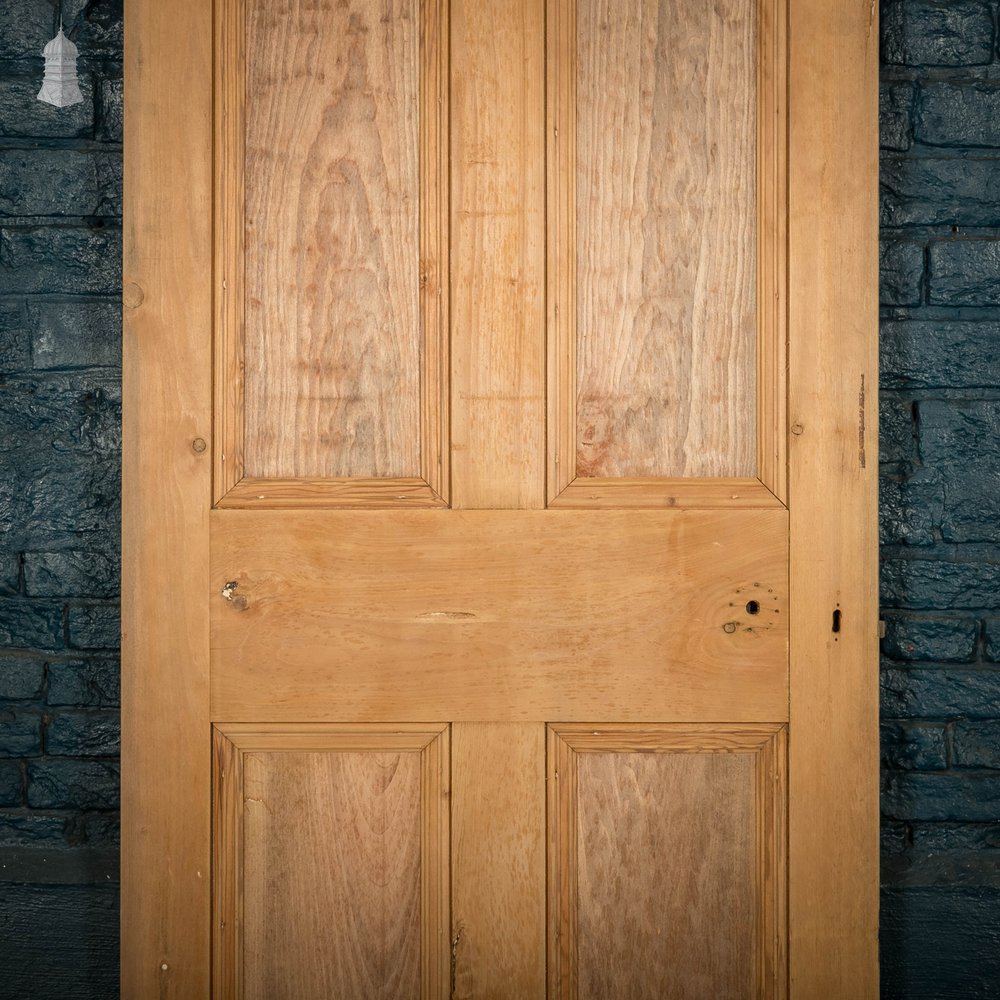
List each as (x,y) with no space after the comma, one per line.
(836,620)
(753,607)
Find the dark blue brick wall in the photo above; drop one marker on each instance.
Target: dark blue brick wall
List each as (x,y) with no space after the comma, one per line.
(60,361)
(940,489)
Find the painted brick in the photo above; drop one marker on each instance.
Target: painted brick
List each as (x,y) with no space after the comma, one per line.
(25,828)
(93,829)
(914,745)
(75,334)
(939,586)
(89,683)
(93,626)
(27,26)
(95,25)
(11,784)
(19,828)
(964,273)
(941,639)
(83,734)
(918,795)
(44,505)
(66,260)
(977,744)
(57,182)
(62,487)
(21,677)
(31,624)
(896,431)
(112,110)
(935,837)
(926,191)
(910,508)
(20,733)
(993,639)
(932,33)
(961,440)
(928,693)
(940,943)
(66,413)
(15,349)
(901,269)
(894,838)
(73,573)
(10,569)
(63,783)
(895,106)
(22,116)
(939,353)
(72,947)
(958,114)
(110,168)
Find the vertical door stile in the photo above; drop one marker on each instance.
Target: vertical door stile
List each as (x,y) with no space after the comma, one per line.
(166,494)
(833,489)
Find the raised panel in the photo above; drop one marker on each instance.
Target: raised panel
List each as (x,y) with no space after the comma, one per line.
(666,243)
(665,229)
(504,615)
(331,252)
(666,862)
(331,862)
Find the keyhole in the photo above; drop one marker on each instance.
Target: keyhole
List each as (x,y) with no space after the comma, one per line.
(836,620)
(753,607)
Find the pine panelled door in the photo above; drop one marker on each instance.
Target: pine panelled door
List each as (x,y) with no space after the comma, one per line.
(500,614)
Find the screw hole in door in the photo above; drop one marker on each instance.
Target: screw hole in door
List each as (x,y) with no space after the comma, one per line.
(753,607)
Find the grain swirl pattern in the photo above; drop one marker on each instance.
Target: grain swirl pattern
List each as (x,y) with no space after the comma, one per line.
(332,238)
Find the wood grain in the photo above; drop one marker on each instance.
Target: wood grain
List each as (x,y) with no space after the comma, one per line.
(499,861)
(386,494)
(332,244)
(503,615)
(332,861)
(229,265)
(227,868)
(498,255)
(833,461)
(665,882)
(666,878)
(167,392)
(692,492)
(561,242)
(666,234)
(331,876)
(772,246)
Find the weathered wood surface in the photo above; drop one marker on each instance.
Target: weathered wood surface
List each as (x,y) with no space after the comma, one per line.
(666,230)
(332,280)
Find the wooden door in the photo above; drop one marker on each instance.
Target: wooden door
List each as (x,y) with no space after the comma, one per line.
(499,613)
